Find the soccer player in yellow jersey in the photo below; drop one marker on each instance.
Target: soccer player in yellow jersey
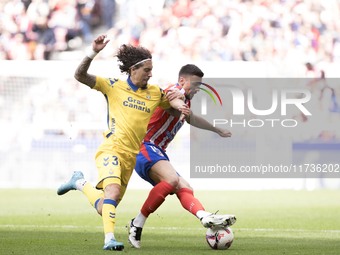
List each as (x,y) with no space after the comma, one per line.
(131,104)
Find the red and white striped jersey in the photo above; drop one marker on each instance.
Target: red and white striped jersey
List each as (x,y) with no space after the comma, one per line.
(163,126)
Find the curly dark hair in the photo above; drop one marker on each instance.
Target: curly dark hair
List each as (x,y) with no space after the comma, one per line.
(129,55)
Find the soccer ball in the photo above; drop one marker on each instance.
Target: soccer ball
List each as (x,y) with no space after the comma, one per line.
(219,238)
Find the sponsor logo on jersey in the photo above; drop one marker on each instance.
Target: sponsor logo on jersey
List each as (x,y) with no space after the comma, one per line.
(136,104)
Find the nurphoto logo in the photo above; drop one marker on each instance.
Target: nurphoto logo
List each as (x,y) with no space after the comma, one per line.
(243,103)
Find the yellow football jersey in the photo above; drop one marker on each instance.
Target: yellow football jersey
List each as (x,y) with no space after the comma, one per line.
(129,111)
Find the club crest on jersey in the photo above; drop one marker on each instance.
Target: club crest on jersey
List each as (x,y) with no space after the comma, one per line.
(112,82)
(148,96)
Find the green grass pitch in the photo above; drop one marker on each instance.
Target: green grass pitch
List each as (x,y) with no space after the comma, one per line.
(268,222)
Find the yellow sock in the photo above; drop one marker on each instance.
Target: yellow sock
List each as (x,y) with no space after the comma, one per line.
(109,215)
(92,194)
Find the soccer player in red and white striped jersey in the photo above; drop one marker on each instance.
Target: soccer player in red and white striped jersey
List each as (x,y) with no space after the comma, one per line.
(153,164)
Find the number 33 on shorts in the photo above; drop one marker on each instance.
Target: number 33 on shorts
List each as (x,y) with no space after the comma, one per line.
(109,164)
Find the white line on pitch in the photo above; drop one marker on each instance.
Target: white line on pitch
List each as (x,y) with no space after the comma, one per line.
(172,228)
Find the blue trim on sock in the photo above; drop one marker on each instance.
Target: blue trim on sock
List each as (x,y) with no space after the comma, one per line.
(96,203)
(110,202)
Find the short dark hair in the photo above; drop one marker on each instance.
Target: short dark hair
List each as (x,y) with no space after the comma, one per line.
(129,55)
(190,69)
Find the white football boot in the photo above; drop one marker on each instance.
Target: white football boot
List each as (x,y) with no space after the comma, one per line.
(218,220)
(135,235)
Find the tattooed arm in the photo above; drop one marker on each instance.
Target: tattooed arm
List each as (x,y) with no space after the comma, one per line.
(81,73)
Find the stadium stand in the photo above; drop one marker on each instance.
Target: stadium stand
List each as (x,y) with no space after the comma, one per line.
(258,30)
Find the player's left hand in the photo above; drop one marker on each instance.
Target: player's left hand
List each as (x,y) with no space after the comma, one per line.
(223,132)
(173,94)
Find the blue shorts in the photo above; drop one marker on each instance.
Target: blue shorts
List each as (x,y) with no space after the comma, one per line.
(149,155)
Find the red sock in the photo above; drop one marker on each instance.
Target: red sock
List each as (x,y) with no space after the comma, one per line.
(156,197)
(188,201)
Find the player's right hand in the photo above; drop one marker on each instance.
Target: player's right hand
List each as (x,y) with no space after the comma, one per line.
(185,110)
(99,43)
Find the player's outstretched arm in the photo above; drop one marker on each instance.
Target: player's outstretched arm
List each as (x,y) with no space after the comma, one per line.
(201,123)
(81,74)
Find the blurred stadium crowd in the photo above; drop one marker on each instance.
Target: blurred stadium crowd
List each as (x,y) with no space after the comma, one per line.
(212,30)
